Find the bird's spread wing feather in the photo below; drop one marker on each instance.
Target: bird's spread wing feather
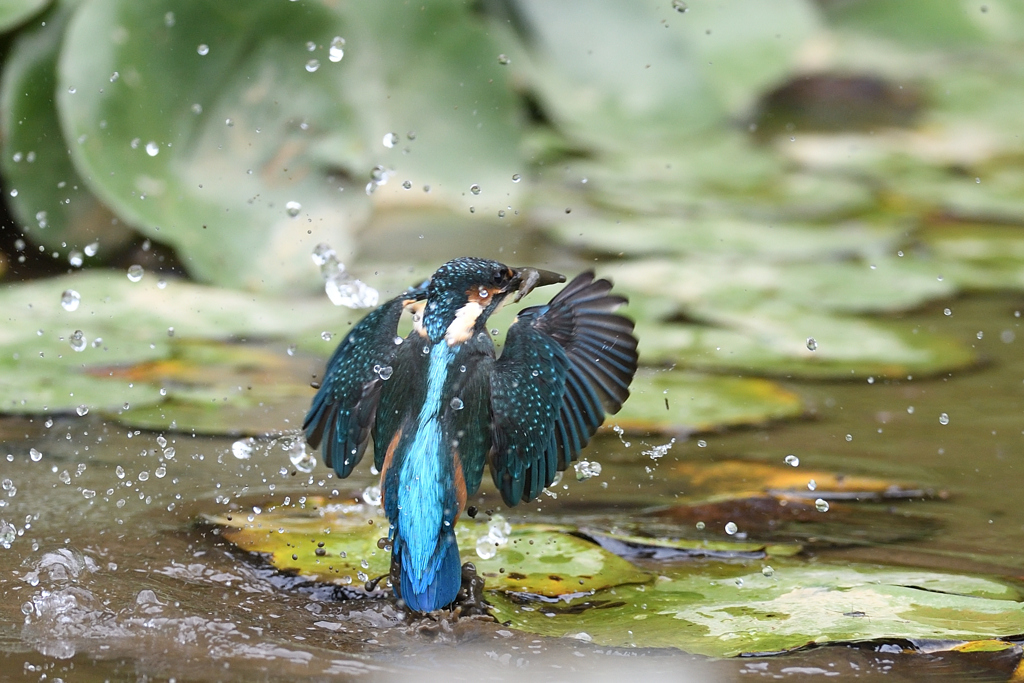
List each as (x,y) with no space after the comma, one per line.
(343,410)
(563,367)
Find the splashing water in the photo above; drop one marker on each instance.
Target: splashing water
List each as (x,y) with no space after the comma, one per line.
(587,469)
(341,288)
(821,505)
(792,461)
(657,452)
(498,530)
(243,448)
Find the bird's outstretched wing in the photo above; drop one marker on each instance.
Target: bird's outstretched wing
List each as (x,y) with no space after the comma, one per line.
(343,410)
(563,367)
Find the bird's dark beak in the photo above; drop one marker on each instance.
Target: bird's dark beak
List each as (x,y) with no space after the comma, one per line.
(530,278)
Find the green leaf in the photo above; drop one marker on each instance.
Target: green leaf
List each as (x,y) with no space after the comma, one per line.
(127,323)
(50,201)
(775,344)
(14,12)
(724,610)
(536,559)
(204,152)
(682,402)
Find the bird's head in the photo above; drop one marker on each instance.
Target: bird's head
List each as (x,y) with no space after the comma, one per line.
(464,292)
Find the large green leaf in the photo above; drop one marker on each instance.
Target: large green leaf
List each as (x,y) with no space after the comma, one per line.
(210,128)
(13,12)
(727,609)
(126,323)
(241,135)
(51,202)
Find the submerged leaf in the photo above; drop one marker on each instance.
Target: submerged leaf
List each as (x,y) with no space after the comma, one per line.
(676,401)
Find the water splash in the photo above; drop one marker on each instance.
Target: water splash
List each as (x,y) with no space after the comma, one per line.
(341,288)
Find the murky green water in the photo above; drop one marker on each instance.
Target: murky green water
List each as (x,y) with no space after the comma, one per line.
(108,577)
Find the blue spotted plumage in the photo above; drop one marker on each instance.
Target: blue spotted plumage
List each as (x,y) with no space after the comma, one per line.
(440,406)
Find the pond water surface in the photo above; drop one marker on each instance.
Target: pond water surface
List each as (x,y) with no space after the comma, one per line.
(109,576)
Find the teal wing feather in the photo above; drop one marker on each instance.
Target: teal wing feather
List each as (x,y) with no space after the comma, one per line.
(344,408)
(564,366)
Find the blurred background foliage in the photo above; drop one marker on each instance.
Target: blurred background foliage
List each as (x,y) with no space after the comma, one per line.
(754,174)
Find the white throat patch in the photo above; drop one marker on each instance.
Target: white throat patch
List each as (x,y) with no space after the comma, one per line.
(461,329)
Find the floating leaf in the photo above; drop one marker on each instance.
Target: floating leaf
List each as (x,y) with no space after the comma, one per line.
(328,542)
(725,610)
(776,345)
(676,401)
(125,323)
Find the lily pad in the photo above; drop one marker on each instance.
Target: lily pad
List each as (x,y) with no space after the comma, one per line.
(724,610)
(683,402)
(124,324)
(329,542)
(776,345)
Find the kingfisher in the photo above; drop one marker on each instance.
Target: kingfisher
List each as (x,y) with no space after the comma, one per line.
(439,405)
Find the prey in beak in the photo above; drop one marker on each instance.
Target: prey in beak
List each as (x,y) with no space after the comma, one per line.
(529,279)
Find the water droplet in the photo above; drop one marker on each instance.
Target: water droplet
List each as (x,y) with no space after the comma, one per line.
(701,443)
(943,419)
(391,139)
(371,495)
(75,259)
(385,372)
(731,528)
(169,19)
(152,149)
(849,437)
(407,185)
(312,65)
(980,334)
(292,348)
(135,273)
(792,461)
(91,248)
(947,311)
(700,526)
(293,208)
(910,409)
(516,177)
(680,6)
(77,341)
(812,344)
(119,471)
(504,60)
(821,505)
(587,469)
(70,299)
(474,188)
(35,455)
(326,336)
(7,534)
(767,571)
(337,49)
(243,448)
(812,485)
(456,403)
(299,456)
(143,476)
(203,49)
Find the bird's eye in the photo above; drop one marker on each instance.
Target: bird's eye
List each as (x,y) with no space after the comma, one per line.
(498,277)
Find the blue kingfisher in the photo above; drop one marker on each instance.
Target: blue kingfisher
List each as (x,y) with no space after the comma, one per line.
(439,405)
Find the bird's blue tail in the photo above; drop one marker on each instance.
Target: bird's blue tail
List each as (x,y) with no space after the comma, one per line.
(439,585)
